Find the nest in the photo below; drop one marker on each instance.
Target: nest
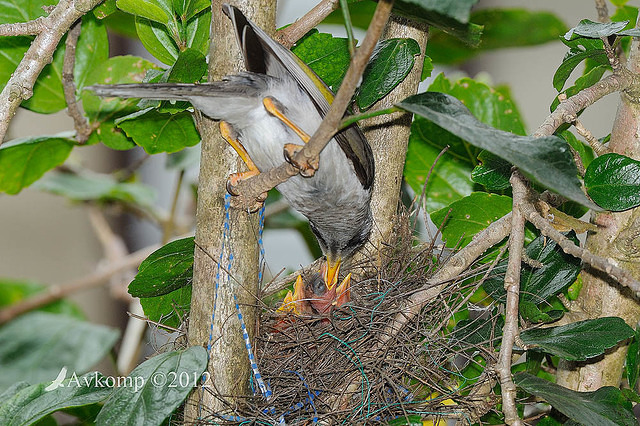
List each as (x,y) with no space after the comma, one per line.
(351,368)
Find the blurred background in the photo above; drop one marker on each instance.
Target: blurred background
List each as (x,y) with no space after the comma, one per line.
(47,239)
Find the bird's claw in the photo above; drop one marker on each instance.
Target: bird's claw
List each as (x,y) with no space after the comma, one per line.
(306,169)
(232,188)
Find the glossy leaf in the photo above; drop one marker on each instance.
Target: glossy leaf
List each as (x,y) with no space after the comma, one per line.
(546,160)
(48,94)
(22,11)
(469,216)
(169,309)
(91,51)
(389,65)
(157,132)
(167,380)
(157,39)
(493,172)
(326,55)
(587,80)
(23,161)
(571,60)
(37,345)
(613,182)
(580,340)
(632,361)
(12,292)
(32,403)
(96,187)
(103,111)
(584,150)
(156,10)
(604,407)
(538,284)
(197,32)
(451,179)
(450,16)
(503,28)
(105,9)
(590,29)
(165,270)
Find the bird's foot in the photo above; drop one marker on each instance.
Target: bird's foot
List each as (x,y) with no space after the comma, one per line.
(308,168)
(233,181)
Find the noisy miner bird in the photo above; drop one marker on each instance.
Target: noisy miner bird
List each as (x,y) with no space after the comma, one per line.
(263,112)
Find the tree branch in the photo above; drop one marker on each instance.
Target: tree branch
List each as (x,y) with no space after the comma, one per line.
(512,287)
(57,292)
(308,157)
(33,27)
(294,32)
(83,129)
(40,53)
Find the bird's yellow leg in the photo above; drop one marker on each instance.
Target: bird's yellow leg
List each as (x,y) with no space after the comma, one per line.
(271,107)
(227,132)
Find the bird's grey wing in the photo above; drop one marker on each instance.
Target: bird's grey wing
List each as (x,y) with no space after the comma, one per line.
(262,54)
(216,99)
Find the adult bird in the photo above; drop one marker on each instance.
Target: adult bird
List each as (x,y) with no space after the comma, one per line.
(262,112)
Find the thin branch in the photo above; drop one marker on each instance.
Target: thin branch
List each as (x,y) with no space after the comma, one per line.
(512,287)
(40,53)
(83,129)
(593,142)
(344,5)
(57,292)
(33,27)
(608,266)
(308,157)
(603,12)
(349,120)
(567,111)
(294,32)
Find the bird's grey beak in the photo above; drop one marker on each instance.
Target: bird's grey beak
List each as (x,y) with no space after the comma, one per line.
(330,272)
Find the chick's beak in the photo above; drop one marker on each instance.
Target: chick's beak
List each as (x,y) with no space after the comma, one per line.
(330,272)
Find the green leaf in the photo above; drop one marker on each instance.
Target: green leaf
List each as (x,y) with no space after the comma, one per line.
(503,28)
(92,49)
(22,11)
(590,29)
(38,344)
(632,361)
(532,313)
(167,380)
(326,55)
(546,160)
(23,161)
(157,39)
(105,9)
(613,182)
(451,16)
(451,177)
(389,65)
(103,111)
(604,407)
(48,94)
(493,172)
(122,23)
(584,150)
(96,187)
(587,80)
(572,60)
(197,32)
(360,12)
(165,270)
(12,292)
(469,216)
(559,270)
(156,10)
(33,403)
(157,132)
(580,340)
(169,309)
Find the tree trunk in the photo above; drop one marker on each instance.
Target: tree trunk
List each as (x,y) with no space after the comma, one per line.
(616,239)
(228,363)
(389,138)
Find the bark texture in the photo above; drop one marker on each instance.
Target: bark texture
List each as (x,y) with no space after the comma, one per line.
(617,238)
(228,363)
(389,138)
